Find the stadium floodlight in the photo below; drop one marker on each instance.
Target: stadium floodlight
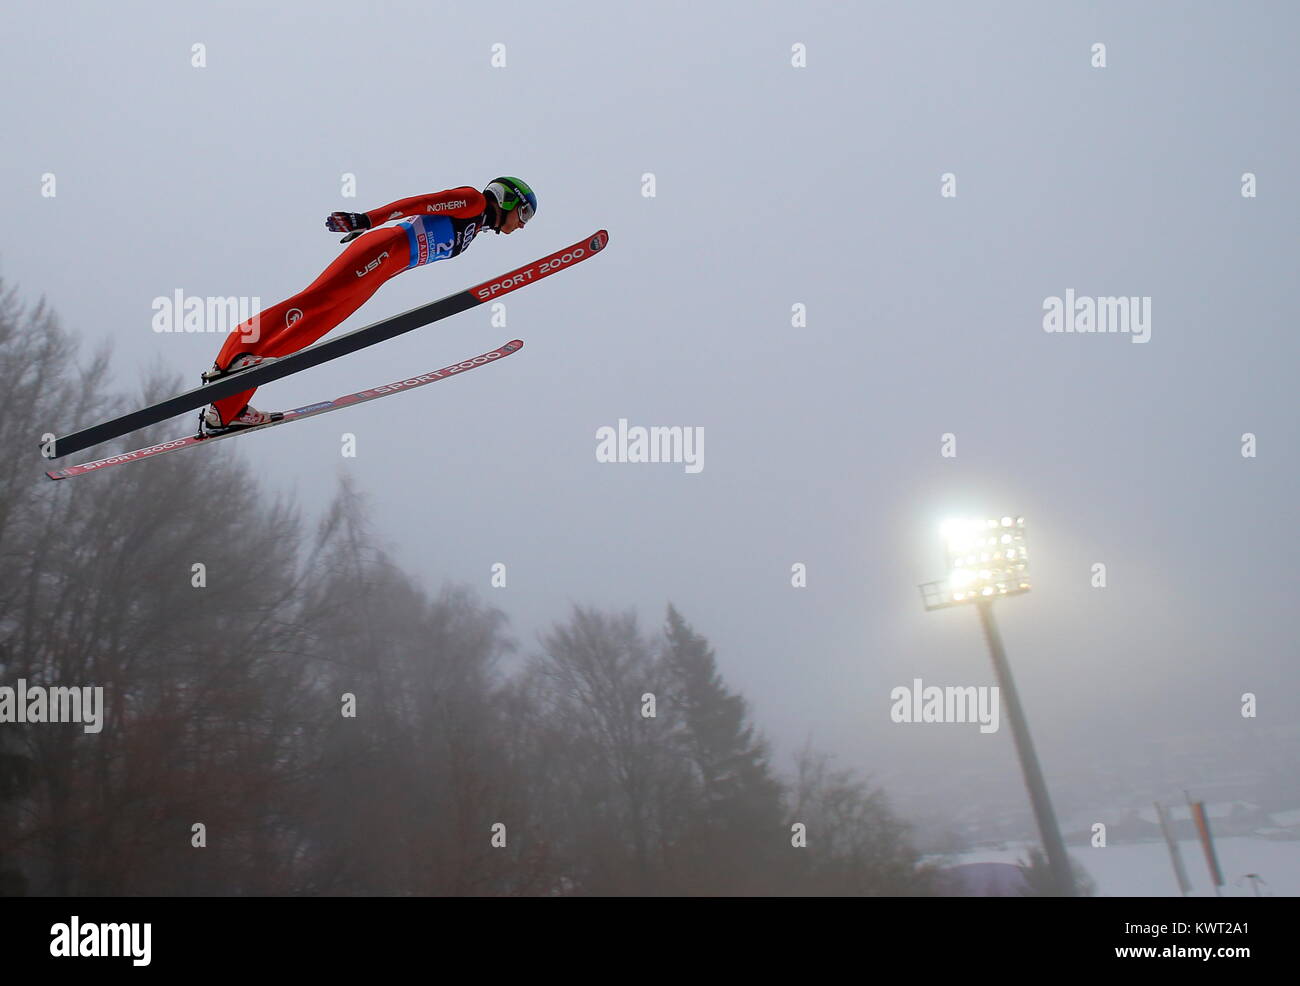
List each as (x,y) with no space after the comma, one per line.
(987,557)
(987,560)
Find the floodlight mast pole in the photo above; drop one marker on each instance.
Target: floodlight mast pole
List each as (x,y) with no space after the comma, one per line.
(1048,830)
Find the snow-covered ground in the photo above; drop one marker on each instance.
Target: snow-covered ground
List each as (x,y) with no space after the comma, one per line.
(1144,870)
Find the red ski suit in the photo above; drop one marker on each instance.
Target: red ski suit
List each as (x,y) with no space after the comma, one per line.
(442,225)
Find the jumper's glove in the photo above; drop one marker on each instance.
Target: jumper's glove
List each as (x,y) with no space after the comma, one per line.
(352,223)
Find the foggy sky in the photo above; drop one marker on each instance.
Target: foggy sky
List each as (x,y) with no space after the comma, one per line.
(775,185)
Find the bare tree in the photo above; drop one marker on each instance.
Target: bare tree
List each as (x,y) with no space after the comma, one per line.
(856,845)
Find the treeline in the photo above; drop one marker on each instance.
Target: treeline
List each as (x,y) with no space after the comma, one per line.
(226,690)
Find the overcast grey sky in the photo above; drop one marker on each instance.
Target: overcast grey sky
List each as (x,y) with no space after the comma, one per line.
(776,185)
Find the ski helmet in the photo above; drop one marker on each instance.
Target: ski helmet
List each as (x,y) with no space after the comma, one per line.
(511,193)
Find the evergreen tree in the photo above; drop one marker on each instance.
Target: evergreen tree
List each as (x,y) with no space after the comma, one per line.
(738,828)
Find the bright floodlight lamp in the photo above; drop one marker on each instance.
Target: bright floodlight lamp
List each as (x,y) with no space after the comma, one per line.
(986,561)
(987,558)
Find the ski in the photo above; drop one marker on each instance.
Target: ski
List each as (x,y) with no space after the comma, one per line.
(297,414)
(322,352)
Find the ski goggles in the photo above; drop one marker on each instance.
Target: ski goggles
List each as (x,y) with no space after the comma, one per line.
(525,210)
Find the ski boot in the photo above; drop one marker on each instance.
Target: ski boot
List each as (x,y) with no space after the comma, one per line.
(210,421)
(245,361)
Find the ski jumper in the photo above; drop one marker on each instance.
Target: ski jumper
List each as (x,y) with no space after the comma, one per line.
(441,225)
